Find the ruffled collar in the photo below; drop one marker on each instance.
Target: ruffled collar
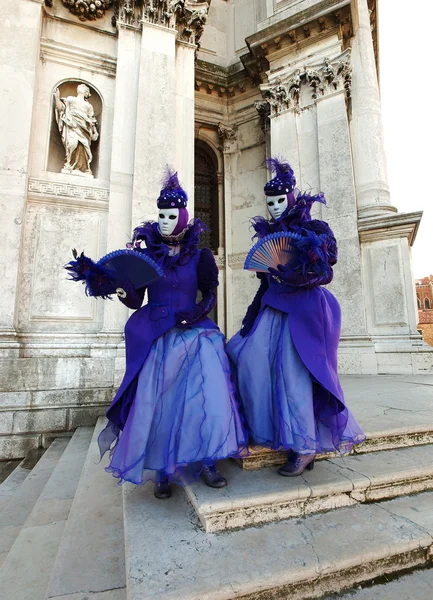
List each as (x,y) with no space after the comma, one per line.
(159,248)
(292,218)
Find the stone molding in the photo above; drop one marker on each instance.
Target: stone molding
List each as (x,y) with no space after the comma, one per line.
(65,54)
(320,79)
(82,195)
(85,10)
(236,261)
(389,226)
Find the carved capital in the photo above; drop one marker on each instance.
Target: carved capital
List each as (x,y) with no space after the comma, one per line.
(191,17)
(229,136)
(127,13)
(302,87)
(187,16)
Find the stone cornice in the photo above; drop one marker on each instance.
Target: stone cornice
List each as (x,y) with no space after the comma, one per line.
(221,81)
(388,226)
(302,29)
(64,54)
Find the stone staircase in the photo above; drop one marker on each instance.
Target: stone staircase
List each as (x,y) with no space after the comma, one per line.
(68,532)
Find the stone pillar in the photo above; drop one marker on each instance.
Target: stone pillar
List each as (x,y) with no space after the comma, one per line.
(185,57)
(122,156)
(19,33)
(155,144)
(369,161)
(229,138)
(165,109)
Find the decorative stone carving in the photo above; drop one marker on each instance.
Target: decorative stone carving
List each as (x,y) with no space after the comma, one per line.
(284,92)
(86,10)
(228,136)
(278,96)
(127,12)
(77,126)
(56,189)
(264,110)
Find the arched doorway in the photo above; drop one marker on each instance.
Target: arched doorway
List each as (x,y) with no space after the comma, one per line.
(206,193)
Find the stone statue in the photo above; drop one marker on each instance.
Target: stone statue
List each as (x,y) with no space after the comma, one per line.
(77,125)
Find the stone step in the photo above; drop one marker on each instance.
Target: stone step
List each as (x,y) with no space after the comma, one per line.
(25,572)
(91,556)
(395,412)
(169,556)
(418,585)
(21,503)
(10,485)
(256,497)
(388,439)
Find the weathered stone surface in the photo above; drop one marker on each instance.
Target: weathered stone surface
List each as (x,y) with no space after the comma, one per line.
(26,573)
(416,586)
(19,507)
(252,498)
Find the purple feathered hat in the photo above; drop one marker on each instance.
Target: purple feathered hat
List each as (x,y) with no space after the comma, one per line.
(172,195)
(284,181)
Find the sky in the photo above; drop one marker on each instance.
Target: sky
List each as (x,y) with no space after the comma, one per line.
(405,50)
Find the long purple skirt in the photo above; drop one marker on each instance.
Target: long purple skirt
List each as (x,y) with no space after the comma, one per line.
(281,402)
(184,414)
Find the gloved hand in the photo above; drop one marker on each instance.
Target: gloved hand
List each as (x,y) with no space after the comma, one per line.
(188,317)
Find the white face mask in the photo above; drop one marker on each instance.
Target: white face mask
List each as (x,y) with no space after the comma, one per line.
(167,220)
(276,205)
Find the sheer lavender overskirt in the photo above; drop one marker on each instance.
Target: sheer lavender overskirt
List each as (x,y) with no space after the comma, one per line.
(184,414)
(282,405)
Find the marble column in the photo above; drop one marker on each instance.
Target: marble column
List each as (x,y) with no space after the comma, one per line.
(122,156)
(20,27)
(369,161)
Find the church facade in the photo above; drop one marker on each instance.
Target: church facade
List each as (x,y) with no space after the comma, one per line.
(99,95)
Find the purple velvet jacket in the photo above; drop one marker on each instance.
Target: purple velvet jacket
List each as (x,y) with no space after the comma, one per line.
(185,273)
(314,313)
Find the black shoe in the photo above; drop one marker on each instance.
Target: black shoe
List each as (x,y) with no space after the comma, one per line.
(296,464)
(212,478)
(162,490)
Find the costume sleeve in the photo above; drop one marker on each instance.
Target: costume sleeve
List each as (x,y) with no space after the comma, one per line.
(321,227)
(207,282)
(254,308)
(129,296)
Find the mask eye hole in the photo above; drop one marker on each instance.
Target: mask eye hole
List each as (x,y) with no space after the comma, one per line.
(281,200)
(172,217)
(270,204)
(161,216)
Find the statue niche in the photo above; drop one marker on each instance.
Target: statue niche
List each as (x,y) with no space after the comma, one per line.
(74,140)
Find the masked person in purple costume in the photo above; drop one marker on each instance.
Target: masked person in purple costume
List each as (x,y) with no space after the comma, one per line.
(175,413)
(285,354)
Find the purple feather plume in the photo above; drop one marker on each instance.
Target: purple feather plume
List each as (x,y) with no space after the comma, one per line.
(279,166)
(170,180)
(99,281)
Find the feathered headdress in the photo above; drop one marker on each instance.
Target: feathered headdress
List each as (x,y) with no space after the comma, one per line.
(284,181)
(172,195)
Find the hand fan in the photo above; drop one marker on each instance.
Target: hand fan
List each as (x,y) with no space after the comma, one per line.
(138,268)
(273,250)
